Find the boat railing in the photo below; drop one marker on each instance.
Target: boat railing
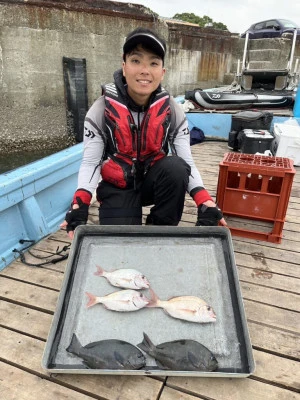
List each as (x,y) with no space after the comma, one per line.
(277,79)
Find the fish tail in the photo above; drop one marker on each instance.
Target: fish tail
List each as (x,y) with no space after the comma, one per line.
(146,345)
(92,299)
(100,271)
(153,299)
(75,346)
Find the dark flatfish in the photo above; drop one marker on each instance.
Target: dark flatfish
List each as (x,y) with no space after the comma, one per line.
(108,354)
(180,355)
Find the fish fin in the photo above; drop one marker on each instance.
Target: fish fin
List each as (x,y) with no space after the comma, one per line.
(74,346)
(92,299)
(181,309)
(188,310)
(146,345)
(196,362)
(91,345)
(119,358)
(160,365)
(100,271)
(153,299)
(86,365)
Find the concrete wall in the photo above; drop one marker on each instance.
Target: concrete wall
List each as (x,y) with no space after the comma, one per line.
(33,41)
(197,58)
(35,35)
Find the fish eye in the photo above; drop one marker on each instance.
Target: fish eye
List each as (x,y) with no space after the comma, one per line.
(208,308)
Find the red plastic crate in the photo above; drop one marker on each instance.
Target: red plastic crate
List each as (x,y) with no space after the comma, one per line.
(255,187)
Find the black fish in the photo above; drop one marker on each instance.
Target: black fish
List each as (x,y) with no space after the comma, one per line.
(108,354)
(180,355)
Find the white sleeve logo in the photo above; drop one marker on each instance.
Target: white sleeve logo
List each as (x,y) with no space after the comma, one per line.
(88,133)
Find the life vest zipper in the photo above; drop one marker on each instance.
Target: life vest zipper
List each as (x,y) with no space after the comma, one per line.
(133,129)
(120,134)
(144,130)
(138,149)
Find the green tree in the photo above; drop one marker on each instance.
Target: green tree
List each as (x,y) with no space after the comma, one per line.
(149,11)
(201,21)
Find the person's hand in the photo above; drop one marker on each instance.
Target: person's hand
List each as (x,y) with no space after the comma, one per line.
(209,214)
(77,215)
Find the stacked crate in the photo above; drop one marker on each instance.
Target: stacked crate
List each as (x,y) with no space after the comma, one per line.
(255,187)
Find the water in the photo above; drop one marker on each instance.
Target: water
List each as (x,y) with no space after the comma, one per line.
(13,161)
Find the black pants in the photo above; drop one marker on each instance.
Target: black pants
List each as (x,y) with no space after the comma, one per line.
(164,186)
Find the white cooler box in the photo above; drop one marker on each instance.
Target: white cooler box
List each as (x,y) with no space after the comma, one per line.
(287,142)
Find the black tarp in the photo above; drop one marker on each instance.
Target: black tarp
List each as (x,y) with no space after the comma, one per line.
(75,82)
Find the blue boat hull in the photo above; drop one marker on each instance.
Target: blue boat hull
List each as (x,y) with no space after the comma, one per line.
(35,198)
(218,125)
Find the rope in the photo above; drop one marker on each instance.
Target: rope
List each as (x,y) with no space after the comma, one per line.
(47,259)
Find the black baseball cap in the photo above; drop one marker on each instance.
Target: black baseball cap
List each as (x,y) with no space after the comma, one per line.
(148,39)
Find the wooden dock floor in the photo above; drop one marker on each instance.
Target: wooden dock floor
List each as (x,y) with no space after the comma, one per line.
(270,281)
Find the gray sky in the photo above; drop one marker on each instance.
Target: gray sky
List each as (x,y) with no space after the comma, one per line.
(237,15)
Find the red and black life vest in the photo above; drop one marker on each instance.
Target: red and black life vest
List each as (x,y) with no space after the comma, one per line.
(132,149)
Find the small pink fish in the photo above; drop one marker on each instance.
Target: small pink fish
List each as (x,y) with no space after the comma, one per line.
(122,300)
(189,308)
(124,278)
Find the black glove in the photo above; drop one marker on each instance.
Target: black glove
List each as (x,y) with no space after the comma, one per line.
(77,216)
(208,216)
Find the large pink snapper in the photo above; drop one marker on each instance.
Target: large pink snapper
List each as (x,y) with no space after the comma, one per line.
(189,308)
(124,278)
(122,300)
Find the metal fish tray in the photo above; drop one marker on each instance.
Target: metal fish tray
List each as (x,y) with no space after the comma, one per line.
(178,261)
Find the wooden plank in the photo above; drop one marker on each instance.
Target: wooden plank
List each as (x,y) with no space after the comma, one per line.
(38,276)
(269,279)
(24,319)
(169,393)
(22,350)
(272,316)
(274,340)
(27,353)
(289,234)
(293,212)
(22,385)
(230,389)
(257,261)
(293,206)
(277,370)
(291,245)
(27,294)
(264,250)
(273,297)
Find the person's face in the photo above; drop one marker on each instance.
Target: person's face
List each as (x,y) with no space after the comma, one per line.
(143,71)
